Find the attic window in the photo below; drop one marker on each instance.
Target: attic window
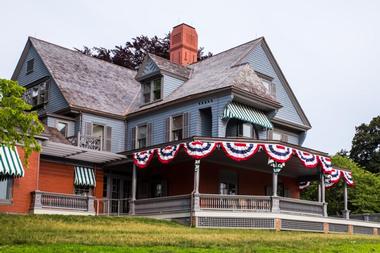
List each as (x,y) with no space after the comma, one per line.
(270,87)
(29,66)
(37,94)
(152,90)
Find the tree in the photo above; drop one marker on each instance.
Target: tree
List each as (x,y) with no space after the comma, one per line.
(366,145)
(132,54)
(18,124)
(363,197)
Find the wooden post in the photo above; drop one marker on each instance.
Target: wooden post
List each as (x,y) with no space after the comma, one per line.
(346,212)
(326,228)
(196,176)
(133,191)
(195,198)
(277,224)
(274,183)
(323,195)
(319,192)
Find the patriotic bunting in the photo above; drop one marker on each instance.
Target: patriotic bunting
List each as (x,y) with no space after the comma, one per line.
(309,160)
(199,149)
(278,153)
(142,159)
(240,151)
(166,154)
(326,164)
(303,185)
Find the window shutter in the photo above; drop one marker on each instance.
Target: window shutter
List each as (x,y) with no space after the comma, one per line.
(167,129)
(108,139)
(185,125)
(133,138)
(270,134)
(88,129)
(149,134)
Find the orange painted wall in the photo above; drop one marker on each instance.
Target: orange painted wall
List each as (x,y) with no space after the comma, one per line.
(180,179)
(22,187)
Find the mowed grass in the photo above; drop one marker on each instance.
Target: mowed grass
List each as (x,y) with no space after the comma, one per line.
(122,234)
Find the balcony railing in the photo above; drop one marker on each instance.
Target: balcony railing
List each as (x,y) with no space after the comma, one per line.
(161,205)
(236,202)
(60,201)
(89,142)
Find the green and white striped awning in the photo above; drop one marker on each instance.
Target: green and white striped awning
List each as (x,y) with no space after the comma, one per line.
(246,113)
(84,176)
(10,163)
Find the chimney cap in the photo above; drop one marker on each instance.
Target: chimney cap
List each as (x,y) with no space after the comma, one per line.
(182,25)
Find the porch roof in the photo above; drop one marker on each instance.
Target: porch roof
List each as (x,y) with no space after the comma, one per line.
(77,153)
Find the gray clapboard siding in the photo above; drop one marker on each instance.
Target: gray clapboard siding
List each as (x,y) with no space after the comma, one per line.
(170,84)
(157,119)
(39,71)
(52,122)
(118,129)
(56,101)
(260,62)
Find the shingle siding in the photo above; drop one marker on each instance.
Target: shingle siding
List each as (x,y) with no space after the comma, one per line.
(260,62)
(157,119)
(56,101)
(170,84)
(118,129)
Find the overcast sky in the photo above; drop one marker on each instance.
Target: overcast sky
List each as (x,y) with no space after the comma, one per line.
(328,50)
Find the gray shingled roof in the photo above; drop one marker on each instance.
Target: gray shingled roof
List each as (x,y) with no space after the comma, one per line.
(167,65)
(219,71)
(87,82)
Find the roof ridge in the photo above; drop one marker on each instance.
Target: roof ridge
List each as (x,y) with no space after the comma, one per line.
(176,64)
(78,52)
(225,51)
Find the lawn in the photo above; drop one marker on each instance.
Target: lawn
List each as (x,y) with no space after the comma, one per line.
(42,234)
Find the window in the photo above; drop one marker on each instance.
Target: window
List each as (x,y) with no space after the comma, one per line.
(282,191)
(228,182)
(62,128)
(6,189)
(177,128)
(29,66)
(83,190)
(141,136)
(227,188)
(238,128)
(152,90)
(37,95)
(269,86)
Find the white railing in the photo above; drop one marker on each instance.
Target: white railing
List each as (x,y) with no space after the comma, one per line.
(301,206)
(62,201)
(89,142)
(160,205)
(235,202)
(112,207)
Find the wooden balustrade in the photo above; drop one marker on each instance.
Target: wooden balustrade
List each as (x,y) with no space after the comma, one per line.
(235,202)
(171,204)
(89,142)
(301,206)
(72,202)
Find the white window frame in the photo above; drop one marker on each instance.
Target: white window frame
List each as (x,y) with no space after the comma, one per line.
(151,83)
(172,129)
(9,191)
(137,144)
(67,126)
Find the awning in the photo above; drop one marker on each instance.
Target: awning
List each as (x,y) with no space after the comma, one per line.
(84,176)
(10,163)
(246,113)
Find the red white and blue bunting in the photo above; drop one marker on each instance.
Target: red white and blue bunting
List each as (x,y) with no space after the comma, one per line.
(326,164)
(240,151)
(278,153)
(167,154)
(199,149)
(142,159)
(308,160)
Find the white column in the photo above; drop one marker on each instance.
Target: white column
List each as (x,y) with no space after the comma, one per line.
(319,192)
(196,203)
(346,212)
(133,191)
(274,183)
(323,195)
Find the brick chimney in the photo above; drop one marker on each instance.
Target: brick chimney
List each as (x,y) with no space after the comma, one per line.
(183,45)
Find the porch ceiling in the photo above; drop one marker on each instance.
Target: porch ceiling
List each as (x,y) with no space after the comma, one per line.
(77,153)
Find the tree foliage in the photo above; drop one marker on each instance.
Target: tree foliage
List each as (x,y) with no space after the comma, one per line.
(366,145)
(362,198)
(132,54)
(17,123)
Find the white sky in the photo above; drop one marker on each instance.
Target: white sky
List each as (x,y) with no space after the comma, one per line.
(328,50)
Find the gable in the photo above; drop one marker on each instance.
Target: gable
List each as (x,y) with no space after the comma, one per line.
(40,71)
(260,60)
(148,67)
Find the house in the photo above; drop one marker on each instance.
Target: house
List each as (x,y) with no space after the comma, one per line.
(215,143)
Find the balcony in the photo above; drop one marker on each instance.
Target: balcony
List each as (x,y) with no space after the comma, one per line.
(88,142)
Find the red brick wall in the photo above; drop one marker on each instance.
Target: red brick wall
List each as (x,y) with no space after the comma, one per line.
(22,187)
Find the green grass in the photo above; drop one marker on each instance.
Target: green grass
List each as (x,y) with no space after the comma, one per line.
(116,234)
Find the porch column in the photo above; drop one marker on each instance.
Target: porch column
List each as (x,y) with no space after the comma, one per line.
(196,184)
(323,195)
(133,191)
(319,192)
(274,183)
(346,212)
(277,167)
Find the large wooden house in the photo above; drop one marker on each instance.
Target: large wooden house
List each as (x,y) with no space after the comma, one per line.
(215,143)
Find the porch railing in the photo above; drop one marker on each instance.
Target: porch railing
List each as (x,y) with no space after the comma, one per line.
(161,205)
(72,202)
(235,202)
(112,207)
(301,206)
(89,142)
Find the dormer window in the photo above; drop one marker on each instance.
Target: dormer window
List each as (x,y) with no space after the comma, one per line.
(152,90)
(29,66)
